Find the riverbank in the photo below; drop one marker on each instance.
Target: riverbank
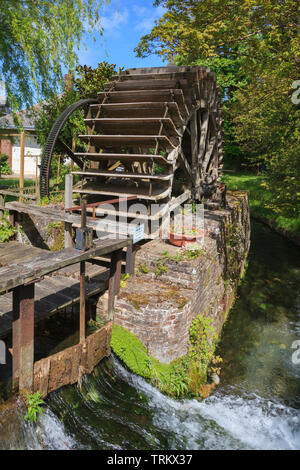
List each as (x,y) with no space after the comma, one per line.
(259,200)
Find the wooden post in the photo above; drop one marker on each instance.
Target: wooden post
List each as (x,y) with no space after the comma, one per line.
(12,218)
(130,259)
(82,303)
(119,254)
(23,336)
(68,204)
(195,163)
(16,338)
(37,177)
(111,284)
(22,158)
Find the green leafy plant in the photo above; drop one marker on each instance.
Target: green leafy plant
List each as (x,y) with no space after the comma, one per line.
(143,268)
(4,166)
(34,404)
(7,231)
(124,279)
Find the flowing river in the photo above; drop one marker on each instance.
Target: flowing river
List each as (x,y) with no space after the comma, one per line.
(256,406)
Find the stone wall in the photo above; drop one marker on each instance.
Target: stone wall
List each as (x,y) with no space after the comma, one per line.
(158,305)
(39,231)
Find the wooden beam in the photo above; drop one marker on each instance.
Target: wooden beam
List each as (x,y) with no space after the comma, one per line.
(22,162)
(186,166)
(118,271)
(68,205)
(16,333)
(111,285)
(82,303)
(23,336)
(195,161)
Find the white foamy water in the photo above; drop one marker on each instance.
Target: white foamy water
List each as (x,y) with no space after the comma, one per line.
(223,421)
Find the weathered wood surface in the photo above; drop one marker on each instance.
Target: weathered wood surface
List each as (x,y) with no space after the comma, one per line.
(19,273)
(68,366)
(118,229)
(98,157)
(13,251)
(52,295)
(116,141)
(122,174)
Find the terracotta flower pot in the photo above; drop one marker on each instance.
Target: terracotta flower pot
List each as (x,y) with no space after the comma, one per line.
(181,239)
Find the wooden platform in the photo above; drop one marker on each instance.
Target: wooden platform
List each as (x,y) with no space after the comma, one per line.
(30,292)
(51,295)
(20,272)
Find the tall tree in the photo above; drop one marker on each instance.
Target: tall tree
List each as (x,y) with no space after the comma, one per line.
(38,38)
(253,45)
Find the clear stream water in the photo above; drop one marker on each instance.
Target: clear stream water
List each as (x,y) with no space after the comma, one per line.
(256,406)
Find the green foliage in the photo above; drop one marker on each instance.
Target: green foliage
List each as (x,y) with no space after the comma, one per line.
(52,199)
(38,40)
(90,81)
(253,46)
(184,376)
(124,279)
(7,231)
(34,404)
(169,378)
(4,166)
(143,268)
(262,202)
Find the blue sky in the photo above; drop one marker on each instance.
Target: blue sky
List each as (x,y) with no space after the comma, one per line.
(124,23)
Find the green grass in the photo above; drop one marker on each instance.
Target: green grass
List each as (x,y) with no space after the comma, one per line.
(260,198)
(14,183)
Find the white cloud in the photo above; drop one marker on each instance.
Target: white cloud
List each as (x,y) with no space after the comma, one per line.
(112,24)
(149,15)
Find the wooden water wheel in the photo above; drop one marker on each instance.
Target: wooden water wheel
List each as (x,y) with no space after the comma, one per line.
(154,134)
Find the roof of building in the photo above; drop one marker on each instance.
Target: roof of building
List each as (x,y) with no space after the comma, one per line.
(26,120)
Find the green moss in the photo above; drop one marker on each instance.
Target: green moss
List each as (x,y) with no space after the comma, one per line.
(137,300)
(56,230)
(184,376)
(134,354)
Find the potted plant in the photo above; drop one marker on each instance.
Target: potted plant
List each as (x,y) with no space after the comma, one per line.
(180,236)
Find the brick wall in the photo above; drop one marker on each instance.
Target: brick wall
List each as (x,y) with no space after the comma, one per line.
(159,309)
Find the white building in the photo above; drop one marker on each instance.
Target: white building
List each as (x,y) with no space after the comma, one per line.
(10,144)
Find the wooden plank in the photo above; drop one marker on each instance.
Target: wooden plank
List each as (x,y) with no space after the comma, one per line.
(123,174)
(26,356)
(147,84)
(117,126)
(22,158)
(128,190)
(140,95)
(195,161)
(82,303)
(113,141)
(48,301)
(53,214)
(124,157)
(68,203)
(139,110)
(29,271)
